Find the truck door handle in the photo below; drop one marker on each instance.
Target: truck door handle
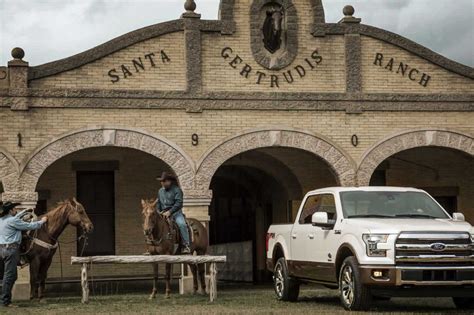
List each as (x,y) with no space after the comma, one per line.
(293,236)
(311,236)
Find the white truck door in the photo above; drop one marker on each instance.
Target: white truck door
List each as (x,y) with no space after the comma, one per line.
(303,239)
(310,245)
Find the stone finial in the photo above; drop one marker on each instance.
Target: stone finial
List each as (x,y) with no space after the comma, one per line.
(348,12)
(18,53)
(190,7)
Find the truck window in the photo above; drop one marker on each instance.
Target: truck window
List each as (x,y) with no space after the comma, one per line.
(318,203)
(389,204)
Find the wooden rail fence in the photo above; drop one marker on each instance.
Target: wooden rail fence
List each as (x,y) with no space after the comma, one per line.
(87,261)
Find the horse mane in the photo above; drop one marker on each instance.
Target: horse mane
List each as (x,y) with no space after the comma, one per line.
(57,215)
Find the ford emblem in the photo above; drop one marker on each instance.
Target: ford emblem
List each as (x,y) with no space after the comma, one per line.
(439,247)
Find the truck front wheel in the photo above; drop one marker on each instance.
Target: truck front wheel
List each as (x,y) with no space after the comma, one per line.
(354,295)
(464,303)
(286,288)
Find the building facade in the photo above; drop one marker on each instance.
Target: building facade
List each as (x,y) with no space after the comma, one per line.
(250,111)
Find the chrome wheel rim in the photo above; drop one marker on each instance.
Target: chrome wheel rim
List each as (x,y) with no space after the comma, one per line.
(279,280)
(347,285)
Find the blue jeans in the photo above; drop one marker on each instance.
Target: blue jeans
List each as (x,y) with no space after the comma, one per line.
(178,217)
(9,258)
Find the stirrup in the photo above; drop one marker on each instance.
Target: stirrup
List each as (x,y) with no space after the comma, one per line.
(186,250)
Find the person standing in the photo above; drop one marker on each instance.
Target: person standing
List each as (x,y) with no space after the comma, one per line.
(170,204)
(11,226)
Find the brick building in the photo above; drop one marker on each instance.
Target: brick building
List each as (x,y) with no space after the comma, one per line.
(250,111)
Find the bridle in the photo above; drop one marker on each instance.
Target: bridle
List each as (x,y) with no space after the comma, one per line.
(48,246)
(149,237)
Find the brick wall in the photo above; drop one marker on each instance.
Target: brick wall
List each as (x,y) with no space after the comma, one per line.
(168,75)
(39,126)
(218,75)
(382,77)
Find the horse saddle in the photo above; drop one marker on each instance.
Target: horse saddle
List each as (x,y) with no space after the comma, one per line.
(175,234)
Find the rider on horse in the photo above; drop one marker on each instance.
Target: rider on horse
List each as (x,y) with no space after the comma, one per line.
(170,204)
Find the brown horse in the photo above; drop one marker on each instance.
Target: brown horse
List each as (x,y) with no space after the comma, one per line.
(42,245)
(161,240)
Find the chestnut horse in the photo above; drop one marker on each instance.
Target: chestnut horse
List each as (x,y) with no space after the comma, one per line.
(42,244)
(161,240)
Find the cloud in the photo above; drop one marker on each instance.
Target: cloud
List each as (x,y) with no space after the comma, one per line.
(53,29)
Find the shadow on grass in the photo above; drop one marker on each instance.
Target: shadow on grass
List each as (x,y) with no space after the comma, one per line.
(396,305)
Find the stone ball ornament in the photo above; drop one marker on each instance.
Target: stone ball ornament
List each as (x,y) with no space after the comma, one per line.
(190,5)
(18,53)
(348,10)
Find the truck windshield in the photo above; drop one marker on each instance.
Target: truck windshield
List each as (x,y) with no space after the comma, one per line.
(389,204)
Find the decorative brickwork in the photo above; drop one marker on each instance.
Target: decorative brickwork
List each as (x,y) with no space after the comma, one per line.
(163,149)
(289,29)
(409,140)
(8,170)
(337,160)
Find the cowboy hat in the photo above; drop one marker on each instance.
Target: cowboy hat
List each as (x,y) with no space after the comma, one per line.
(7,206)
(166,176)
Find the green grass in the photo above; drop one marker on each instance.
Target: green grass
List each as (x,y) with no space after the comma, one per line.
(244,300)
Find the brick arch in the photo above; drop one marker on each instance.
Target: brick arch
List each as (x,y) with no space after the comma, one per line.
(168,152)
(409,140)
(339,162)
(8,170)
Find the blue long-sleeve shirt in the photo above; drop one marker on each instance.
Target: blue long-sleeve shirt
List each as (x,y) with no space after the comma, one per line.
(170,199)
(12,226)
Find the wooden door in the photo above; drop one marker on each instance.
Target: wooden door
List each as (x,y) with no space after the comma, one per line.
(95,190)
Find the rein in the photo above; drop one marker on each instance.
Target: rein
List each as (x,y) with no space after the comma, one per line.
(48,246)
(150,239)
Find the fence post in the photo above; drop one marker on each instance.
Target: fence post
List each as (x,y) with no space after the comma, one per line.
(84,284)
(213,282)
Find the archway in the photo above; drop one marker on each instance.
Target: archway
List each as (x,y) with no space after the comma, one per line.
(253,190)
(109,181)
(140,140)
(8,171)
(438,161)
(339,162)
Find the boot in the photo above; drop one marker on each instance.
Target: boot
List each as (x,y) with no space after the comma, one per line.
(186,250)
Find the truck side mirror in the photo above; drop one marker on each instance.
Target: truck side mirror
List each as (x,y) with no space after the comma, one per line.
(458,216)
(321,219)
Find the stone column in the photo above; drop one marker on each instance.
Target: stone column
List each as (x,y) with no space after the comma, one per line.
(18,80)
(192,38)
(21,290)
(353,51)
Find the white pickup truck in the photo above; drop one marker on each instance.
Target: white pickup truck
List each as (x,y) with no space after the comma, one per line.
(374,242)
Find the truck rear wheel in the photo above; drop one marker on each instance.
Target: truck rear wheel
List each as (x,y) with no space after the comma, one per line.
(464,303)
(286,288)
(354,295)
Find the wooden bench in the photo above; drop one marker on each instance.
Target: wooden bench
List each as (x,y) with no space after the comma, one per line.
(87,261)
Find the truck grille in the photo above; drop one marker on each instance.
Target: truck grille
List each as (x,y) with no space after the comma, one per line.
(434,248)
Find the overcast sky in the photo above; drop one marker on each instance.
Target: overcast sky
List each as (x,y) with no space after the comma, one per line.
(53,29)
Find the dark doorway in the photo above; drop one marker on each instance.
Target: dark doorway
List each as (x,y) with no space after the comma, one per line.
(241,211)
(449,203)
(95,190)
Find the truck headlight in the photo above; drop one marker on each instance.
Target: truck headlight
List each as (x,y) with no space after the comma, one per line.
(371,243)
